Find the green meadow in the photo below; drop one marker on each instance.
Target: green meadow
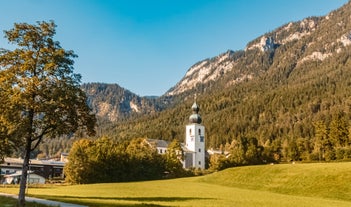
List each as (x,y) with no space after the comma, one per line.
(322,184)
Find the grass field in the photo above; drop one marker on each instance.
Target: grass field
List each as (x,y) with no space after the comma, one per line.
(270,185)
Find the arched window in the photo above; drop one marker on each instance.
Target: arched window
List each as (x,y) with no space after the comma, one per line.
(190,131)
(199,131)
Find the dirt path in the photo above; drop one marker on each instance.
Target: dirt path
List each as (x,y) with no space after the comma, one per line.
(43,201)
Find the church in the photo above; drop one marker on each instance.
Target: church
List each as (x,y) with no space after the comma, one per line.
(194,148)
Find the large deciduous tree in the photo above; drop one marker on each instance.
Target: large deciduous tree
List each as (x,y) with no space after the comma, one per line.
(40,96)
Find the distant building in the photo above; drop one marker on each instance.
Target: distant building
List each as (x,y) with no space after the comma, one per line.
(160,145)
(194,146)
(64,157)
(218,152)
(15,178)
(195,151)
(45,168)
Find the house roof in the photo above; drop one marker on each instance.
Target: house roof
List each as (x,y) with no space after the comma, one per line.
(19,173)
(158,143)
(33,162)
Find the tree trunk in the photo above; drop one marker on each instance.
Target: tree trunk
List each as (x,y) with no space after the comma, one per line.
(23,181)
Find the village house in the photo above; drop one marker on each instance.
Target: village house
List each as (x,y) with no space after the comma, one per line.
(46,169)
(160,145)
(15,178)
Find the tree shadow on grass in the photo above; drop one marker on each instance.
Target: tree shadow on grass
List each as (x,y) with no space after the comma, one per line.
(143,200)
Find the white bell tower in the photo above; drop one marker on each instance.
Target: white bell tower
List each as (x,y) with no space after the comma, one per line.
(195,141)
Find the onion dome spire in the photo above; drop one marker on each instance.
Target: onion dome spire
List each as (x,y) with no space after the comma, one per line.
(195,118)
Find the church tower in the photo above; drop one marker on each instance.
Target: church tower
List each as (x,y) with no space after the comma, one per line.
(195,141)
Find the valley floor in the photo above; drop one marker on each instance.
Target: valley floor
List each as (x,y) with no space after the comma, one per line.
(312,185)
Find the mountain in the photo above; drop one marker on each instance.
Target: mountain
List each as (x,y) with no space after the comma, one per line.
(286,48)
(112,102)
(203,72)
(278,86)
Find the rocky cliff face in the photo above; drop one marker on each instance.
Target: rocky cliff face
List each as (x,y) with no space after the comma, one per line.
(287,47)
(203,72)
(247,64)
(112,102)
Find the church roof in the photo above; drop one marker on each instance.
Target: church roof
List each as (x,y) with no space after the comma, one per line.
(195,107)
(195,118)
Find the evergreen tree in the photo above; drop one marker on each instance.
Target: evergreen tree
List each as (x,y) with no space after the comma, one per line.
(321,139)
(338,131)
(237,153)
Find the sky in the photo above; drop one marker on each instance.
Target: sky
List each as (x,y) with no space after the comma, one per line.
(147,46)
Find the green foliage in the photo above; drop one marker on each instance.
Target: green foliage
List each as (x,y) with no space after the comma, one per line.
(242,151)
(41,92)
(144,161)
(338,131)
(332,140)
(77,170)
(103,160)
(218,162)
(173,157)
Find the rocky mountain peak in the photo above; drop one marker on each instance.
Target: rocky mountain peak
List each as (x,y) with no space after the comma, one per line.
(267,43)
(204,71)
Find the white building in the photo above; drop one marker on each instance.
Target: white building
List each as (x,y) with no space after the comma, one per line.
(15,178)
(160,145)
(195,141)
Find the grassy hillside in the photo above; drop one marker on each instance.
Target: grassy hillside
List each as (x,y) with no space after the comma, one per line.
(271,185)
(324,180)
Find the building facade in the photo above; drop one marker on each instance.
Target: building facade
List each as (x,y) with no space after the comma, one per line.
(45,168)
(160,145)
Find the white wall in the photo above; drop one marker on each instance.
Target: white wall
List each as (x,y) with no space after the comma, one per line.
(195,142)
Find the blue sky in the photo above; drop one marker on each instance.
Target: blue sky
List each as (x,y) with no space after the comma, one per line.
(146,46)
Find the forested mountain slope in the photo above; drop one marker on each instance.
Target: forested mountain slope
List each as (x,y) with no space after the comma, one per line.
(276,90)
(294,45)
